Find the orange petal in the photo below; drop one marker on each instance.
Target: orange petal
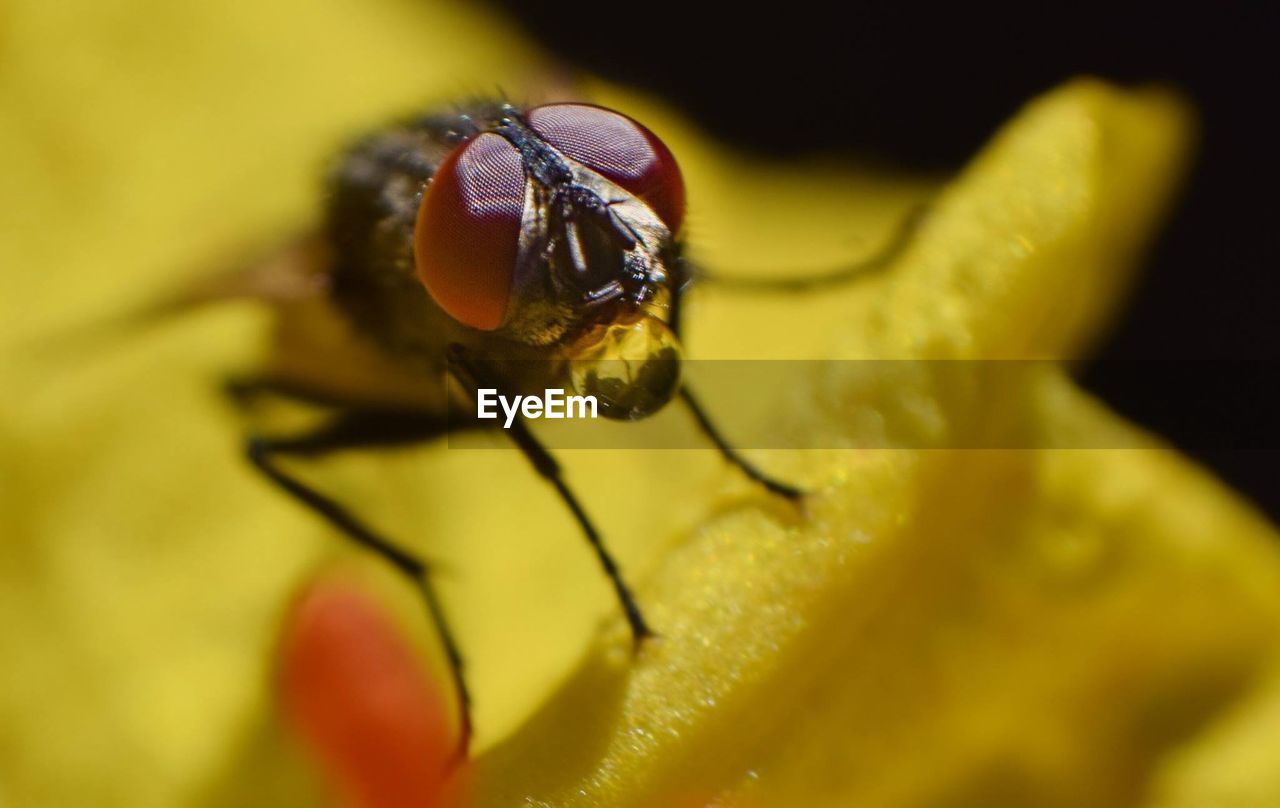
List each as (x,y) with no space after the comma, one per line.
(353,689)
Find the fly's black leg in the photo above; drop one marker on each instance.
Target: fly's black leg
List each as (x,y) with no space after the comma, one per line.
(886,255)
(549,469)
(704,423)
(363,430)
(471,376)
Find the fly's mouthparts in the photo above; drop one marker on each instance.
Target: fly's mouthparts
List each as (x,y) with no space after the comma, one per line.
(610,291)
(632,366)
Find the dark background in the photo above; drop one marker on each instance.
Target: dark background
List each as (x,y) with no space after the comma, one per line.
(922,88)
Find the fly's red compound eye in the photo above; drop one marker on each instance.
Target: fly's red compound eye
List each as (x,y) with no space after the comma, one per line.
(617,148)
(467,231)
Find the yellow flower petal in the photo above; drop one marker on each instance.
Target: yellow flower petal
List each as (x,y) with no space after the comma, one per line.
(971,627)
(1048,627)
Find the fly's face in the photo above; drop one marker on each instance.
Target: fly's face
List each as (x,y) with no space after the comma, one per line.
(555,229)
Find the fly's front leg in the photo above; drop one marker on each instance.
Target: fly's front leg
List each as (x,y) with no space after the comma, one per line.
(472,377)
(709,428)
(704,423)
(359,429)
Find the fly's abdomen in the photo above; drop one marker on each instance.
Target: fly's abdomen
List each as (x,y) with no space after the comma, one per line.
(374,193)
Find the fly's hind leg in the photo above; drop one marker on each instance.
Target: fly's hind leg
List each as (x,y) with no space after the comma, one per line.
(901,238)
(367,429)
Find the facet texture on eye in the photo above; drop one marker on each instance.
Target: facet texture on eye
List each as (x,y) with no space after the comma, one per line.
(619,149)
(468,230)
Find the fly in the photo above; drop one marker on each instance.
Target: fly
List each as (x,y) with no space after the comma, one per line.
(509,250)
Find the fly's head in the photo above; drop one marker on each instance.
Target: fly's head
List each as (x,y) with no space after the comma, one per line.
(555,228)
